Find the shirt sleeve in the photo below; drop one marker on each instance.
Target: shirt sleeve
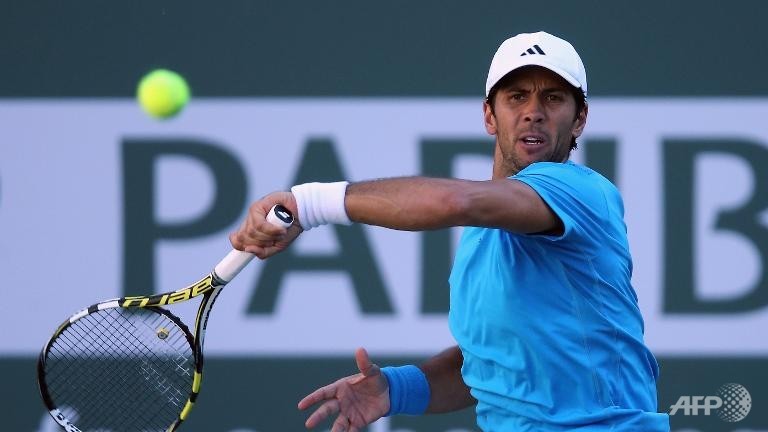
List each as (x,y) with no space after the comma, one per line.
(573,192)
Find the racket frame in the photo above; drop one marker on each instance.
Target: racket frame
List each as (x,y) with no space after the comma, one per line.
(209,287)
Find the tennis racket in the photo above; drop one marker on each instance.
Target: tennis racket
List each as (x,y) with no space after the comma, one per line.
(129,364)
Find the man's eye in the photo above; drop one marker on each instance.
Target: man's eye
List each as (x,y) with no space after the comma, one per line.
(554,98)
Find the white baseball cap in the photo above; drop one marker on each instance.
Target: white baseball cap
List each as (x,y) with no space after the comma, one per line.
(537,49)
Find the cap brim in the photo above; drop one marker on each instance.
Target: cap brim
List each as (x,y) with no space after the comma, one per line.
(537,61)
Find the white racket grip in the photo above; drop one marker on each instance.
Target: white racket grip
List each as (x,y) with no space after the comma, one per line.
(236,260)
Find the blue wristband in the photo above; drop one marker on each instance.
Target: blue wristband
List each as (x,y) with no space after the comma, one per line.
(408,390)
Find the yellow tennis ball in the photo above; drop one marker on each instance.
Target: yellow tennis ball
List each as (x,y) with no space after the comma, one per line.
(162,93)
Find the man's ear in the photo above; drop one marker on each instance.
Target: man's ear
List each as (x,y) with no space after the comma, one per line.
(580,122)
(489,119)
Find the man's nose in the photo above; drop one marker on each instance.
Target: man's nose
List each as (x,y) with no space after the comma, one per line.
(534,111)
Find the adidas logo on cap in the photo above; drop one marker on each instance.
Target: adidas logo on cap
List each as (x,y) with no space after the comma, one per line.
(531,51)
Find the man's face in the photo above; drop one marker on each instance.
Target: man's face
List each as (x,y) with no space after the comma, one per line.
(534,119)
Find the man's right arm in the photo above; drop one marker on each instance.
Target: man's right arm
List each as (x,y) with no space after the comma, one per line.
(447,388)
(405,203)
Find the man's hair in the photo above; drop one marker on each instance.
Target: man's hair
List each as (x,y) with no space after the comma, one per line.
(578,96)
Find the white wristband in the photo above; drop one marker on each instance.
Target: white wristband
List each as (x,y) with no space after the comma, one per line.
(321,203)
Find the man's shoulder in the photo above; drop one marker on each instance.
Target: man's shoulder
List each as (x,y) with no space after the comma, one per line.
(566,172)
(576,184)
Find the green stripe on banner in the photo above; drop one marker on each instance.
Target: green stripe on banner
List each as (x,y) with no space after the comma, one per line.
(92,48)
(260,394)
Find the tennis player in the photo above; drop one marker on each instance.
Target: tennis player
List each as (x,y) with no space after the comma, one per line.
(550,336)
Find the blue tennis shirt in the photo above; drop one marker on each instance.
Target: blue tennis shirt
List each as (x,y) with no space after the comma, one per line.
(549,326)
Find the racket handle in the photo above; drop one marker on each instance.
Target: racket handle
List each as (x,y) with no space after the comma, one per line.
(236,260)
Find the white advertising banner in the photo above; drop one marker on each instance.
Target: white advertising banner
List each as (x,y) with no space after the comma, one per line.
(66,166)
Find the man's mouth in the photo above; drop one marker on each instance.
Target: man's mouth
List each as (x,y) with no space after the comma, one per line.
(532,140)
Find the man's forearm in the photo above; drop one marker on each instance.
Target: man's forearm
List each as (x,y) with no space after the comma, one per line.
(406,203)
(448,391)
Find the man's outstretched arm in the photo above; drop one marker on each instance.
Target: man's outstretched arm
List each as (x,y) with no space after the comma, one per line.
(406,203)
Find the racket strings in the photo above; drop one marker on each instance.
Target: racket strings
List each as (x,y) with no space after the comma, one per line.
(149,372)
(119,379)
(121,369)
(108,376)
